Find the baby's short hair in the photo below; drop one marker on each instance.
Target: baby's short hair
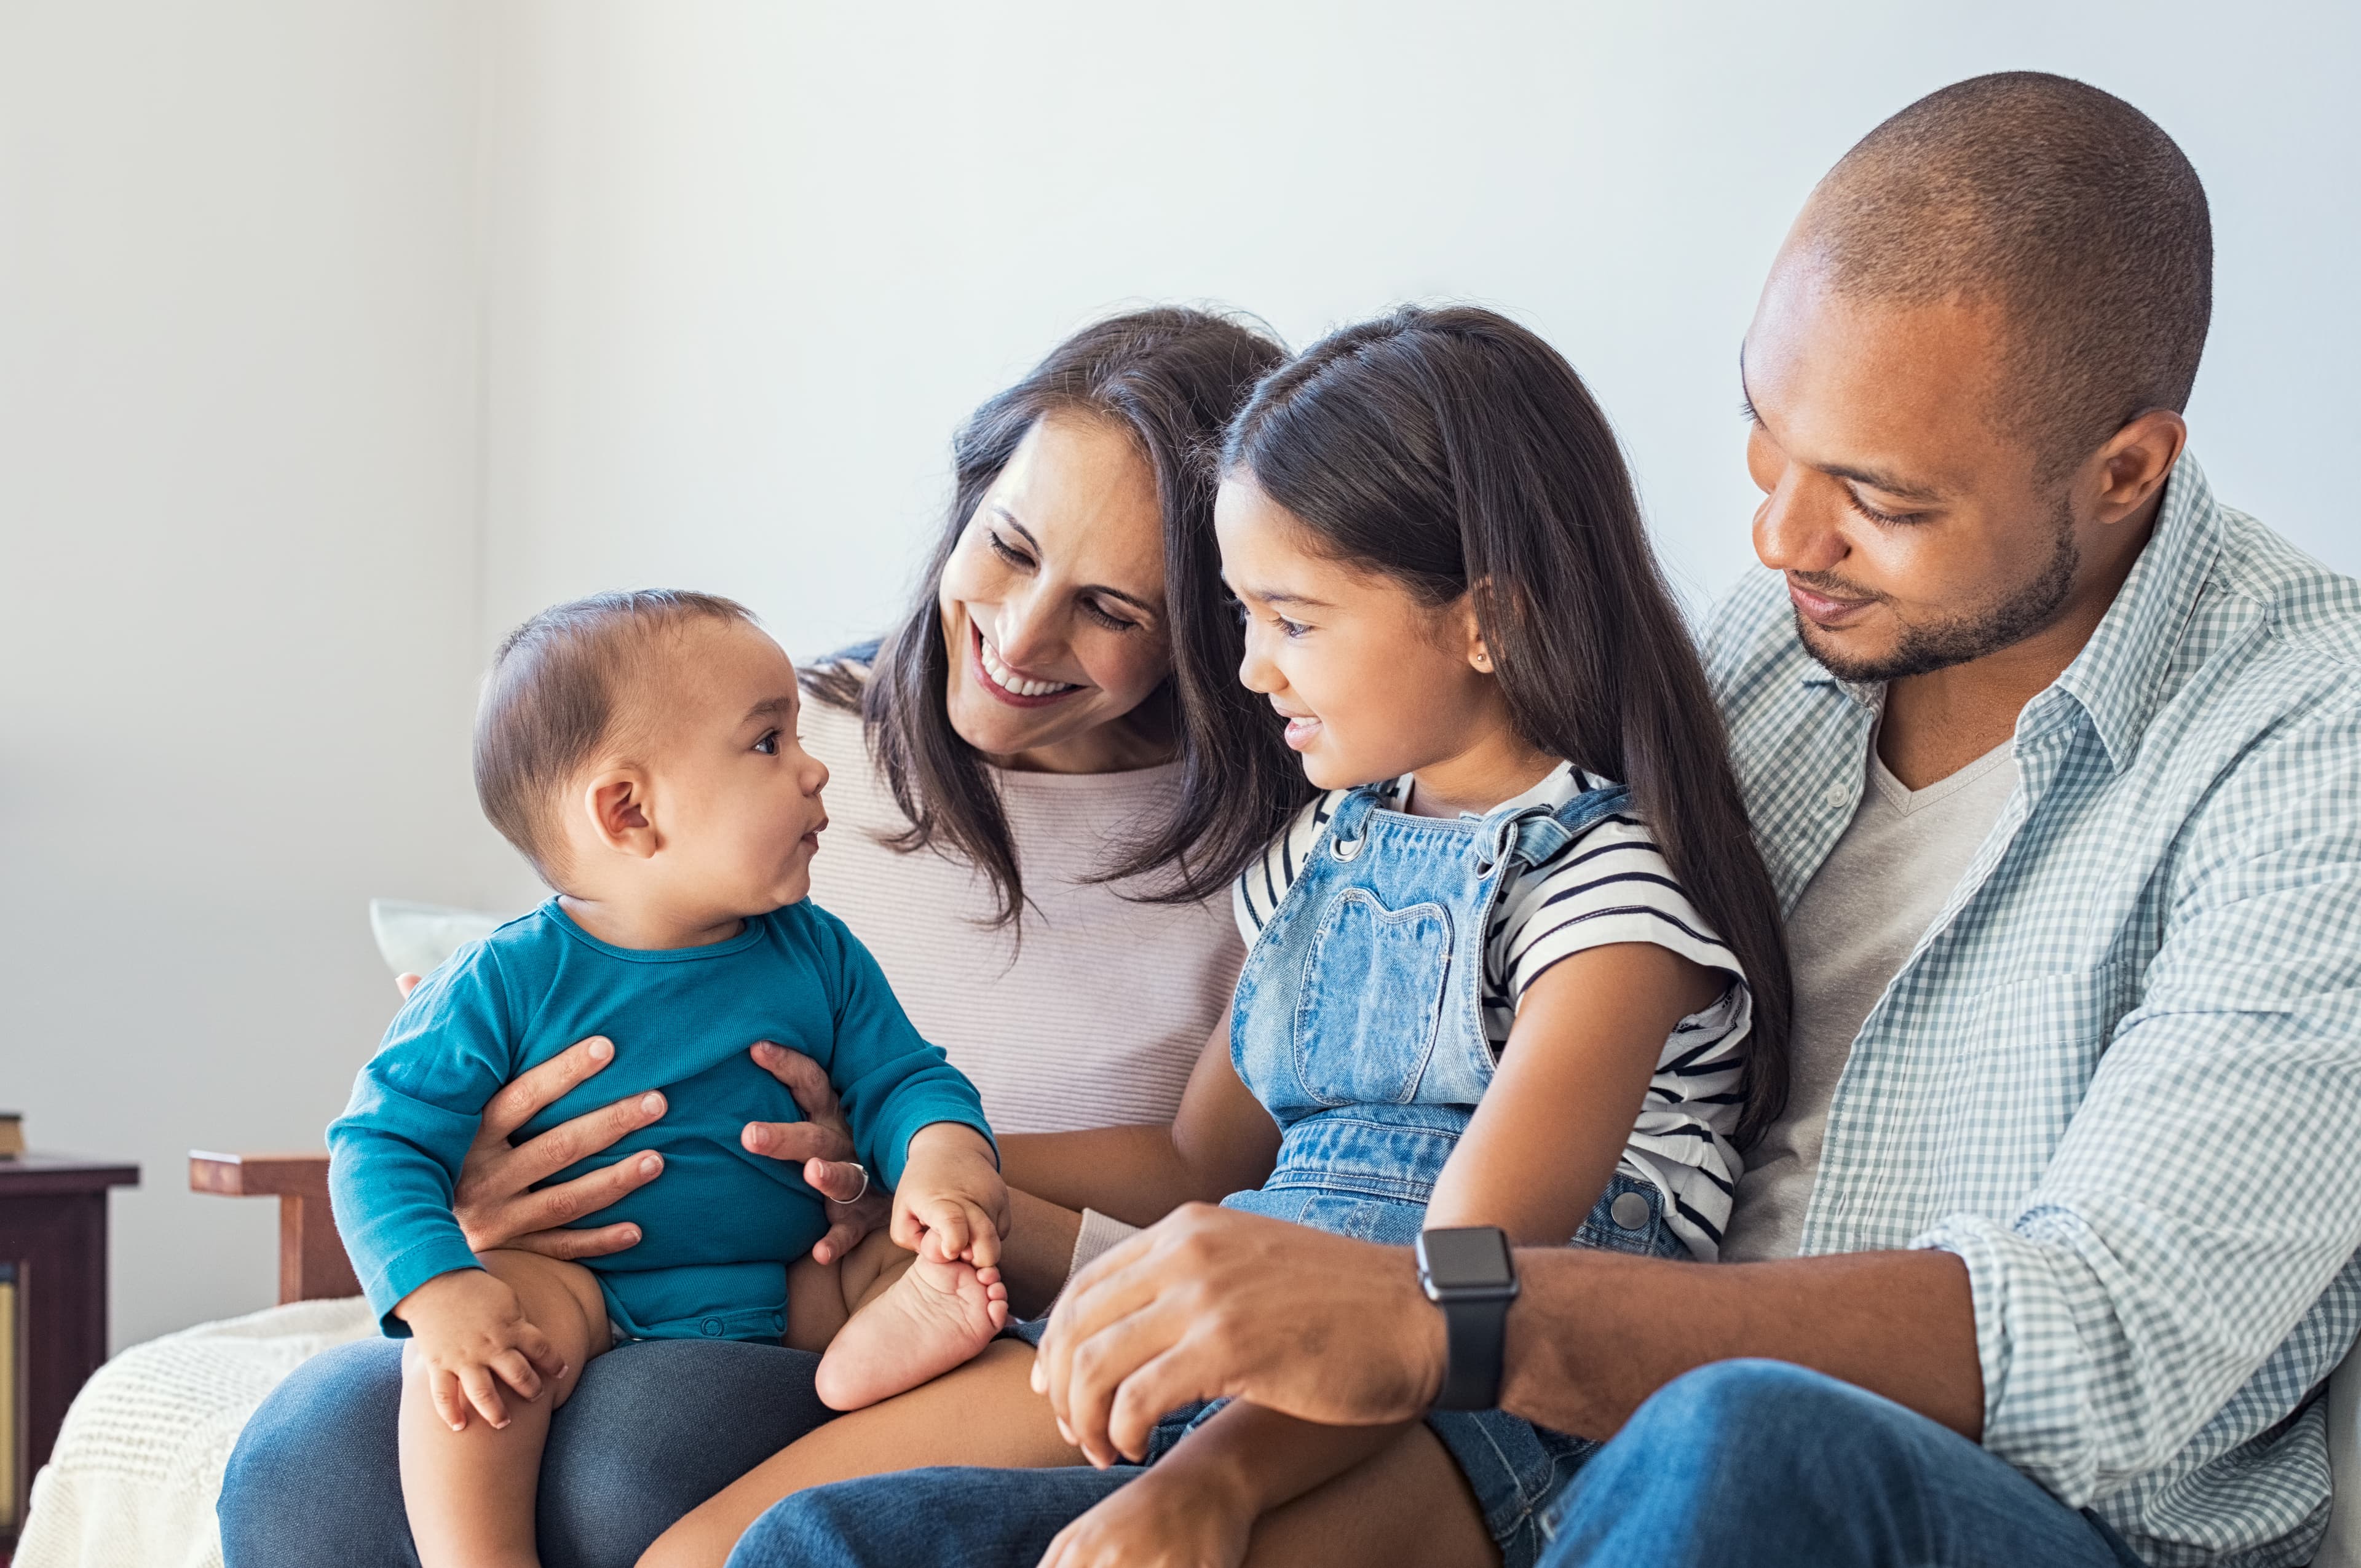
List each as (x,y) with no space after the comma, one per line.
(554,699)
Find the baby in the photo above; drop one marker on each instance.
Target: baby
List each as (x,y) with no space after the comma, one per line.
(641,750)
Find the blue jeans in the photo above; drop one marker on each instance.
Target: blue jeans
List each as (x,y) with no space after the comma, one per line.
(653,1429)
(1741,1463)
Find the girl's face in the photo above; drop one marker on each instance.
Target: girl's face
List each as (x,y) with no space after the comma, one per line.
(1372,683)
(1052,604)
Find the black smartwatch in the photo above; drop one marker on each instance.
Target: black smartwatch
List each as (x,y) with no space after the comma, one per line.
(1471,1276)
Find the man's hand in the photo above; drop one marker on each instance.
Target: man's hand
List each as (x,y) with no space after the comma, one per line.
(1210,1302)
(951,1201)
(470,1332)
(824,1143)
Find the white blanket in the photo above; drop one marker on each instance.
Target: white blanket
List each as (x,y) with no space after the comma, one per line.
(140,1460)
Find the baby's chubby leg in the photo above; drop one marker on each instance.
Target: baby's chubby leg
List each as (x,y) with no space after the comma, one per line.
(470,1492)
(889,1319)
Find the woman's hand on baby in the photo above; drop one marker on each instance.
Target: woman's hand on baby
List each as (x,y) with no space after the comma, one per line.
(1170,1517)
(951,1202)
(495,1201)
(469,1332)
(823,1141)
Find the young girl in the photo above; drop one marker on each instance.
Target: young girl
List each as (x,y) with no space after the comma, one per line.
(1520,966)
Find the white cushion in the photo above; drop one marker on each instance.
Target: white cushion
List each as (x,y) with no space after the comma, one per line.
(416,937)
(139,1463)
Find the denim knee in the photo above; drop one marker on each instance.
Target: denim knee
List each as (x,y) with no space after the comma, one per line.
(939,1517)
(1736,1401)
(314,1477)
(1718,1444)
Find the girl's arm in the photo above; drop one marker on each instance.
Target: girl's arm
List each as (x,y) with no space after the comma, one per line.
(1536,1156)
(1551,1129)
(1222,1142)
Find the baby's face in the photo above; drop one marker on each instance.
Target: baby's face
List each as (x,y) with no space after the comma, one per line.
(734,798)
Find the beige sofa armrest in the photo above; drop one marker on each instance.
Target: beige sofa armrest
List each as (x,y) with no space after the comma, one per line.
(312,1262)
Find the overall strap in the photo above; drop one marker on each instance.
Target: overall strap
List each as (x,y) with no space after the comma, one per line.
(1351,818)
(1533,835)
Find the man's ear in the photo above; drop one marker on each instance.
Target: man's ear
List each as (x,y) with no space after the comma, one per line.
(618,803)
(2133,463)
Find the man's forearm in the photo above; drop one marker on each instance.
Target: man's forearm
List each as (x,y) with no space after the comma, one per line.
(1595,1333)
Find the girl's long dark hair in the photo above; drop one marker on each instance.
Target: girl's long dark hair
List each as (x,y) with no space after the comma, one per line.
(1454,450)
(1172,377)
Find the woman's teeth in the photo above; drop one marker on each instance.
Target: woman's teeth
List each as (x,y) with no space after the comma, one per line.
(1008,680)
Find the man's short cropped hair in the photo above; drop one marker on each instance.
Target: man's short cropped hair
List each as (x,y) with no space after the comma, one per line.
(555,700)
(2064,207)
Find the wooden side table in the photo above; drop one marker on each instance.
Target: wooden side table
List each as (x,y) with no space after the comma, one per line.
(53,1230)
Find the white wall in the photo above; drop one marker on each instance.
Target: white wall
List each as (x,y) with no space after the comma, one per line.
(239,442)
(335,335)
(754,261)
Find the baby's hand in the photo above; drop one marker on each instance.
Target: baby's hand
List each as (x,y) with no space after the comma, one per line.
(1164,1520)
(470,1332)
(950,1203)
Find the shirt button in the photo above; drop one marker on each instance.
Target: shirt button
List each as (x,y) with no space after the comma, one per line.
(712,1328)
(1630,1211)
(1836,797)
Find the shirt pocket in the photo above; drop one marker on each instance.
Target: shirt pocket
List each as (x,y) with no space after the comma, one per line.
(1372,997)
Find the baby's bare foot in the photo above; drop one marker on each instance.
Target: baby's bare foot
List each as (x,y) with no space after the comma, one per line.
(935,1316)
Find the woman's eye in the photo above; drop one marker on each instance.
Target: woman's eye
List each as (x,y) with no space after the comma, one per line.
(1105,616)
(1009,552)
(769,744)
(1289,628)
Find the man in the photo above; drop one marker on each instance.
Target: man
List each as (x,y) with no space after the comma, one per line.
(2057,765)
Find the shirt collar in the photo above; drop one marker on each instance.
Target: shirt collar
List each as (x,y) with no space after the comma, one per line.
(2116,676)
(1561,784)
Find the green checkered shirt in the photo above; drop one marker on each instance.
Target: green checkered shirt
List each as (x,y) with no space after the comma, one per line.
(2118,1074)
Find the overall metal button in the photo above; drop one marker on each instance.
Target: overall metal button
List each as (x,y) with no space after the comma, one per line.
(1630,1210)
(1345,849)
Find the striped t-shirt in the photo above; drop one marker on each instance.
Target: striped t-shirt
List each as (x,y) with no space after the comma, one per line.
(1609,885)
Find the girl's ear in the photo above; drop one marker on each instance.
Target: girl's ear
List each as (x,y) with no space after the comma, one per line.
(1467,627)
(617,802)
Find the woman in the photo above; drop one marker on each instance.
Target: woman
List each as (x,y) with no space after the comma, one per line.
(1043,776)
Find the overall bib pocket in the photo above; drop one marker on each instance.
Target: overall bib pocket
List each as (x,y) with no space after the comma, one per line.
(1371,999)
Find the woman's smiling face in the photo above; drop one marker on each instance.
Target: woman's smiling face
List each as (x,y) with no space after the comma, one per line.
(1052,604)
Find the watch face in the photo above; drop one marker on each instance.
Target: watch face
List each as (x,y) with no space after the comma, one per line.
(1467,1259)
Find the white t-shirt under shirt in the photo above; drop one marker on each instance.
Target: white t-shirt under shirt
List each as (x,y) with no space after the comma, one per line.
(1096,1016)
(1606,887)
(1882,886)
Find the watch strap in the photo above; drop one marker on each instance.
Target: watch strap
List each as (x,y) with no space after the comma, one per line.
(1474,1332)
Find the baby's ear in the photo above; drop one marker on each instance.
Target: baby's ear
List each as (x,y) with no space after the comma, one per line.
(617,803)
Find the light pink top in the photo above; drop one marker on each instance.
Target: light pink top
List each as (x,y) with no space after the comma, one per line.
(1097,1017)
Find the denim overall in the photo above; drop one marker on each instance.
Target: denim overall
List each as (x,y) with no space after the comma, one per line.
(1358,1023)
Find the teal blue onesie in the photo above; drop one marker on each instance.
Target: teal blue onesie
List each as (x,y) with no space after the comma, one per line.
(721,1226)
